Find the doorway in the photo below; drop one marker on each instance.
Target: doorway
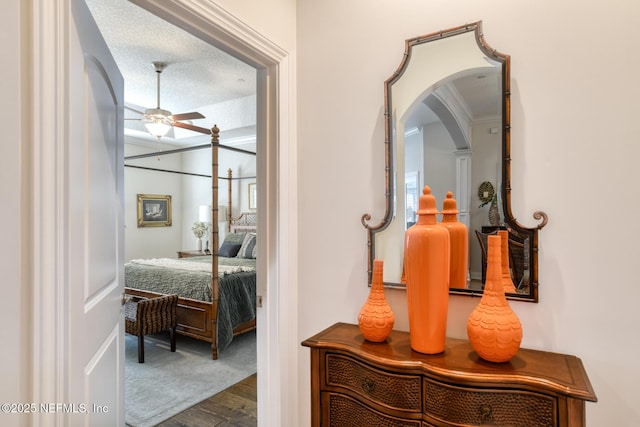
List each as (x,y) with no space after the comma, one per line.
(278,338)
(224,32)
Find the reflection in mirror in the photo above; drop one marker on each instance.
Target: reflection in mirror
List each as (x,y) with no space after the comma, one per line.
(447,126)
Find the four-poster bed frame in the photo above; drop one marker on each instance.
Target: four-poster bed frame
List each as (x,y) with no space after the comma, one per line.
(199,319)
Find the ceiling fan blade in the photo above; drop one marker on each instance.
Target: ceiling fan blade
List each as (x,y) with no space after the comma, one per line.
(187,116)
(134,110)
(193,128)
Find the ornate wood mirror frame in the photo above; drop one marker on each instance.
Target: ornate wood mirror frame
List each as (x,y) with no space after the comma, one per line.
(442,75)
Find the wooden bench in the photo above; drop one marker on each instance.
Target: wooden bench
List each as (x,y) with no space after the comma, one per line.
(150,316)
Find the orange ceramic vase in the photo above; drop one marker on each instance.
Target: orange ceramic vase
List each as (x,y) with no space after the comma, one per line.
(493,328)
(426,256)
(507,283)
(459,241)
(376,318)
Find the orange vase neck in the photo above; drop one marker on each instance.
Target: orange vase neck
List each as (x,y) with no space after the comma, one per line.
(376,318)
(377,284)
(427,219)
(507,283)
(493,283)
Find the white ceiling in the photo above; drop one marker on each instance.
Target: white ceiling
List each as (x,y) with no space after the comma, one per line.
(197,77)
(479,93)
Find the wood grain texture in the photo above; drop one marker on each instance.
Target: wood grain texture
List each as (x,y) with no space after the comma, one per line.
(235,406)
(376,381)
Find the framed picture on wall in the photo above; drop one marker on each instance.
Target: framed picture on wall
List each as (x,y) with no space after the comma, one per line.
(252,196)
(154,210)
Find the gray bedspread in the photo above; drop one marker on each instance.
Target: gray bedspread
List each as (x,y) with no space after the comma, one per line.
(236,292)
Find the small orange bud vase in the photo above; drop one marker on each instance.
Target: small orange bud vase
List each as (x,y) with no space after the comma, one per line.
(426,258)
(459,241)
(376,318)
(493,328)
(507,283)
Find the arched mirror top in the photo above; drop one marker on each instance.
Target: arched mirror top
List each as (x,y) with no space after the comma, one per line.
(447,125)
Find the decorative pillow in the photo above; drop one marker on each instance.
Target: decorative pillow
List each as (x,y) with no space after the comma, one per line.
(234,238)
(248,246)
(229,250)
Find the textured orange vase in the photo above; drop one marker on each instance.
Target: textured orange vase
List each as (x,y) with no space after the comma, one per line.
(459,242)
(376,318)
(426,256)
(493,328)
(507,282)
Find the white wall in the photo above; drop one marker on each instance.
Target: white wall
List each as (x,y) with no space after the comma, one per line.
(275,19)
(439,161)
(152,242)
(486,166)
(575,153)
(188,192)
(197,191)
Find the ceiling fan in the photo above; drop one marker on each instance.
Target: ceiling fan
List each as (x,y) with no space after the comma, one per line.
(159,121)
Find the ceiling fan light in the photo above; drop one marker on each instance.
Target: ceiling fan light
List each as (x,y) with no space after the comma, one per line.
(157,129)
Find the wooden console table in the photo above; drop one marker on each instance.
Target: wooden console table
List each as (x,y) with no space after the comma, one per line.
(358,383)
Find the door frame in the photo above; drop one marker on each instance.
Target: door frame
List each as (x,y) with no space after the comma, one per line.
(277,321)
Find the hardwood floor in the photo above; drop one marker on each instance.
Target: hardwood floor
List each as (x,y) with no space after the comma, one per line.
(235,406)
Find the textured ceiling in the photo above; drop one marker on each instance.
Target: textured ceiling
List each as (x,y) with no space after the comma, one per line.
(198,74)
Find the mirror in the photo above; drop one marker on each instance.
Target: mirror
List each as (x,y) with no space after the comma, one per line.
(447,125)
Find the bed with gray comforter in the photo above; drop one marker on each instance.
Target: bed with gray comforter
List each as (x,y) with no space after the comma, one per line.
(191,278)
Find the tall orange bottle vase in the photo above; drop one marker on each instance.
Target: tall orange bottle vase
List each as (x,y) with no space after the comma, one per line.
(376,318)
(493,328)
(459,240)
(507,282)
(426,255)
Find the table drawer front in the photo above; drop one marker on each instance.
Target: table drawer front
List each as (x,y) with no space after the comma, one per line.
(395,391)
(492,407)
(343,411)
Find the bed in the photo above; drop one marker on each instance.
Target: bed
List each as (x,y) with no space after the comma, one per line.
(211,307)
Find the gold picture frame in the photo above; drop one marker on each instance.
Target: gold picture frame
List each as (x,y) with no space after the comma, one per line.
(154,210)
(253,196)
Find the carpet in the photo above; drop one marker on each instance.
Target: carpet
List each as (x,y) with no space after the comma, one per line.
(168,383)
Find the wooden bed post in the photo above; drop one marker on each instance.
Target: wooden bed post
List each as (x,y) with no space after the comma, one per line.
(229,199)
(215,141)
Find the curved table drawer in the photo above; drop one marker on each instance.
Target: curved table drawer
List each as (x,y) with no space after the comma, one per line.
(402,392)
(346,411)
(460,405)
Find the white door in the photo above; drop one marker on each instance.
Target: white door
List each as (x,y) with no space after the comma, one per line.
(95,226)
